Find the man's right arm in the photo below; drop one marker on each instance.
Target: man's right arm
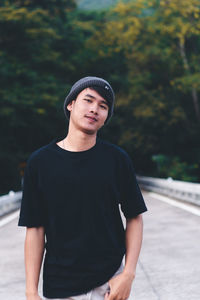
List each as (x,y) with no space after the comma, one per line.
(34,251)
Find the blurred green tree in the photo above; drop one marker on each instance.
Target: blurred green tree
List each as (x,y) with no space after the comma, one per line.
(38,60)
(156,116)
(148,50)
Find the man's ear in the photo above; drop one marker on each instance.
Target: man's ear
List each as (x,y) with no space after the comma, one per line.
(70,105)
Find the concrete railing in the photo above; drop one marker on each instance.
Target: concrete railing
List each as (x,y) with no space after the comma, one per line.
(184,191)
(181,190)
(10,202)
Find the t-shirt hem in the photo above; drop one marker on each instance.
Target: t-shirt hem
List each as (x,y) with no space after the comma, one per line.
(54,295)
(139,211)
(30,225)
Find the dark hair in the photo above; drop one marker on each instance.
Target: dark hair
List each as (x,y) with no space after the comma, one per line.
(101,91)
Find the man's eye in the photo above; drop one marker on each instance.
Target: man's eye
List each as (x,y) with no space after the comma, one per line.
(103,106)
(88,100)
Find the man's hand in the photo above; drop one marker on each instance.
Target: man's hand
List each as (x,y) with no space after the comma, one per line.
(120,287)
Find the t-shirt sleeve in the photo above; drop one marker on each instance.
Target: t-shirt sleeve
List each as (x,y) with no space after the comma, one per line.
(131,199)
(32,210)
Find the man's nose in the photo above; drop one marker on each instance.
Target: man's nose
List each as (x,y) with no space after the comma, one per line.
(94,107)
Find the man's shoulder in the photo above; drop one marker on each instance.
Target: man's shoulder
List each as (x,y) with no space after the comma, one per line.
(37,155)
(114,148)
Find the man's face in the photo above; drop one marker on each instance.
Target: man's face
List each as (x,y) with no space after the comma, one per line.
(89,111)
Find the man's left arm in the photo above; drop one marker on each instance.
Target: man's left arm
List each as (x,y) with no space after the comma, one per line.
(120,285)
(134,232)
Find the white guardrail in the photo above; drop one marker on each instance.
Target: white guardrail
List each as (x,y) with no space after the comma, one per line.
(181,190)
(10,202)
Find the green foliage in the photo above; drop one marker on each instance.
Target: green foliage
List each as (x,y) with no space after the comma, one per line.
(95,4)
(38,65)
(148,50)
(175,168)
(187,82)
(158,99)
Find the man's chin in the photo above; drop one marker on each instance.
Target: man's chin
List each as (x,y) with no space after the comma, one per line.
(89,131)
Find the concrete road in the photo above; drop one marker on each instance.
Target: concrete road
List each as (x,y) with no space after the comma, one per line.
(169,264)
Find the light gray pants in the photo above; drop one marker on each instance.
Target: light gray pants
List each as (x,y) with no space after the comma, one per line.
(97,293)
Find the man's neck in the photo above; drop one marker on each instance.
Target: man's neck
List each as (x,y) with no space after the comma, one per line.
(79,141)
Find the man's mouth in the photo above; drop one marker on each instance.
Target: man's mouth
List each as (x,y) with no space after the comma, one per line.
(92,118)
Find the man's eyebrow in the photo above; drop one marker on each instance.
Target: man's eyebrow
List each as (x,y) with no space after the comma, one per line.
(102,101)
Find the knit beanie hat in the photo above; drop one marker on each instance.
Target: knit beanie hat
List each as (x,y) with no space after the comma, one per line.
(91,81)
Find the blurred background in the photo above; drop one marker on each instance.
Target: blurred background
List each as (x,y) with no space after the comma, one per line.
(147,50)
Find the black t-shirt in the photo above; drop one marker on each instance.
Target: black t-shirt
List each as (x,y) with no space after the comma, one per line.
(76,197)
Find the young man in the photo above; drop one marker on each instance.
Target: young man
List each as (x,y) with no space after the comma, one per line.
(70,206)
